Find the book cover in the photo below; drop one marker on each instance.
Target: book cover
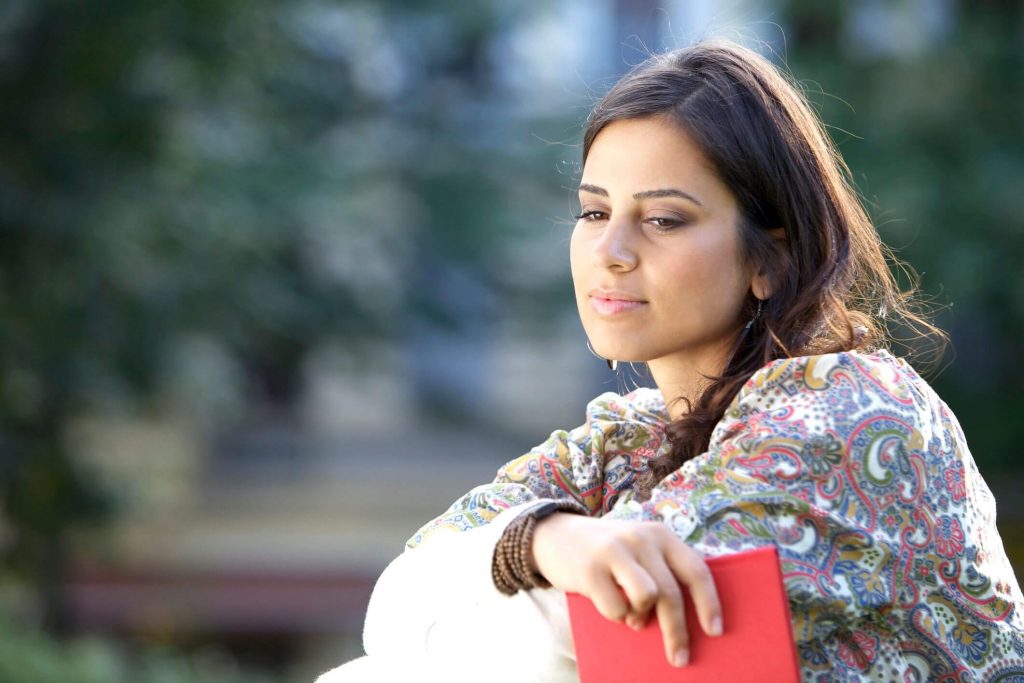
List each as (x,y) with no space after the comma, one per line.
(756,643)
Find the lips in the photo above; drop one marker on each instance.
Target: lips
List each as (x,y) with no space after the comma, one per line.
(611,302)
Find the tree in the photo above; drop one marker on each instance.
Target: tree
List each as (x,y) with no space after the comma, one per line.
(921,100)
(236,173)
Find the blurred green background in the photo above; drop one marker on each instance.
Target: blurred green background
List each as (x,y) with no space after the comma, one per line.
(279,280)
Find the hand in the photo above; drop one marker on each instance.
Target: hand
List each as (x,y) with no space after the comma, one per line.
(594,557)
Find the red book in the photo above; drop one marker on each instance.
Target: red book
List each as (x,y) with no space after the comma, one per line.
(756,643)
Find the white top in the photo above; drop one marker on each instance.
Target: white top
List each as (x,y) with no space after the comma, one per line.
(435,615)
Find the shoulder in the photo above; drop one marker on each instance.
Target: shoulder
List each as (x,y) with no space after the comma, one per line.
(835,393)
(877,376)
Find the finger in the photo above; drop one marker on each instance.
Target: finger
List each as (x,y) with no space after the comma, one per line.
(690,568)
(671,615)
(606,596)
(640,588)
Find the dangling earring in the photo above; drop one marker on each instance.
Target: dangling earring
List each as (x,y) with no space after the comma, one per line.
(757,314)
(613,365)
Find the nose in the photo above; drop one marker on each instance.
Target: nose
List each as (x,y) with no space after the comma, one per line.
(614,248)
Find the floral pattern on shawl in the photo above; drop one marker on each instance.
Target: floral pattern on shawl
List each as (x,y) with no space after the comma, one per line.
(595,464)
(855,470)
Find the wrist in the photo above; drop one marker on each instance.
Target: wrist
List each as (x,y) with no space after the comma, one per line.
(545,532)
(513,565)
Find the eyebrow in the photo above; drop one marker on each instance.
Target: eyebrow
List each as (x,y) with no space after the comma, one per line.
(647,194)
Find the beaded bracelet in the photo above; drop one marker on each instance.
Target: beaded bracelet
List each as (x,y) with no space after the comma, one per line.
(512,567)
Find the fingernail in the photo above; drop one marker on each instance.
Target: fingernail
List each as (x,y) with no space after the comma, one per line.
(634,624)
(682,657)
(715,629)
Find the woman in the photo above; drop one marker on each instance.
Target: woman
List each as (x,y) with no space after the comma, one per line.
(721,242)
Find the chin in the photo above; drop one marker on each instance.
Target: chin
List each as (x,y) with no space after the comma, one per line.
(627,343)
(620,352)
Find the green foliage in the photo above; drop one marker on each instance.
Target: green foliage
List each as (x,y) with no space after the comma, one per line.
(30,656)
(926,113)
(245,176)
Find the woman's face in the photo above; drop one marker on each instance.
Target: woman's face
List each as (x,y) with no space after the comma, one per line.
(655,254)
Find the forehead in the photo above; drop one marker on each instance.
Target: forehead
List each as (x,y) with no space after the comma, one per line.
(647,152)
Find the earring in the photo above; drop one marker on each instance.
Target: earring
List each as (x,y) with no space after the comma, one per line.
(757,314)
(613,365)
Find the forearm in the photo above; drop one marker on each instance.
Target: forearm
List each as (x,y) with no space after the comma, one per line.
(480,506)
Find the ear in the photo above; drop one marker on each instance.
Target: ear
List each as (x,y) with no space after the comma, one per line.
(762,284)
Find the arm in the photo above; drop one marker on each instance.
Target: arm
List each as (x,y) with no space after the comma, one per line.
(719,502)
(592,464)
(429,603)
(854,469)
(448,578)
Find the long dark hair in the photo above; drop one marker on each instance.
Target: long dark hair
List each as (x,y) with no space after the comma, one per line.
(832,287)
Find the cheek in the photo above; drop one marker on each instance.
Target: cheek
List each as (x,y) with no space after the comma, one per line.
(577,259)
(707,275)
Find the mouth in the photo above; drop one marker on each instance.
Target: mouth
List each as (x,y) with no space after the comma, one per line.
(611,303)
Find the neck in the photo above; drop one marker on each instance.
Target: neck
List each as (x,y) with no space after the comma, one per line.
(685,376)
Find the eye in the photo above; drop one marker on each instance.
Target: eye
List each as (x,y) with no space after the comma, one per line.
(588,216)
(665,224)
